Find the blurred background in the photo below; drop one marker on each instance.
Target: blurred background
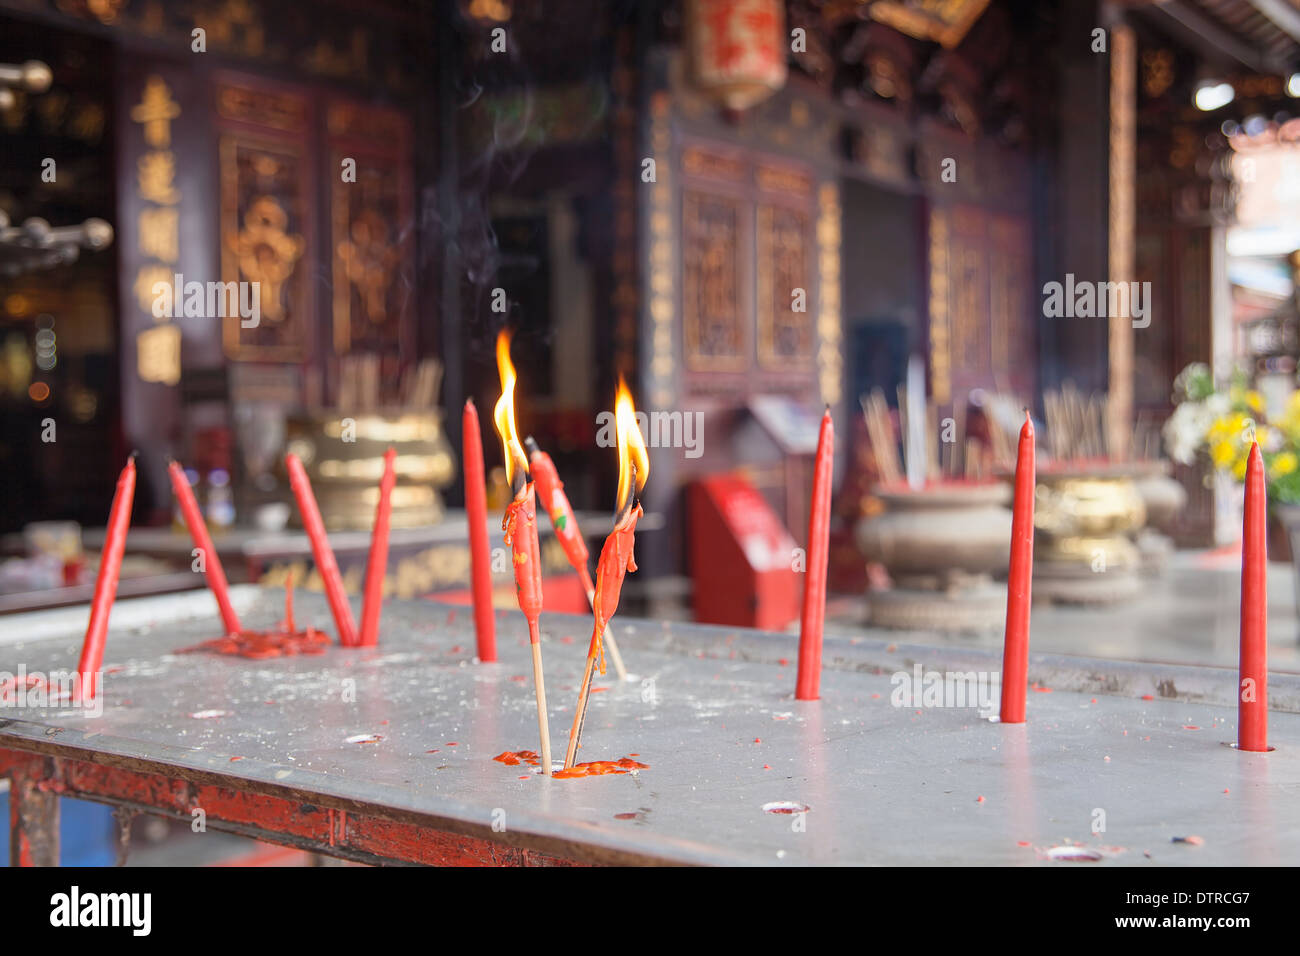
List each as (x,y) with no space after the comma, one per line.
(926,216)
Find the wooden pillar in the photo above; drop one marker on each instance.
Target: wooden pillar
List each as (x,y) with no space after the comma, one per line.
(1123,136)
(33,819)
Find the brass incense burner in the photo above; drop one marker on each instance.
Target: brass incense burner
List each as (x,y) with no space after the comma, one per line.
(941,544)
(344,458)
(1085,519)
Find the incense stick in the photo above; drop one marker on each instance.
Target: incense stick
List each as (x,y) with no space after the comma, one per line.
(539,681)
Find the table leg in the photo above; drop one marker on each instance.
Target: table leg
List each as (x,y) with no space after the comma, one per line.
(33,820)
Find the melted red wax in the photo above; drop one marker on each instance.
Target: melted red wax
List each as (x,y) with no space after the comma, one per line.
(513,758)
(597,768)
(262,644)
(285,641)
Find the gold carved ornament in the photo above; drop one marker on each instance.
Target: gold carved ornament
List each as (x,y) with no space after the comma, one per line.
(158,354)
(158,349)
(940,340)
(830,361)
(155,112)
(369,260)
(266,253)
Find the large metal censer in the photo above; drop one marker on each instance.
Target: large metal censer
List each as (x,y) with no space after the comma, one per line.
(344,457)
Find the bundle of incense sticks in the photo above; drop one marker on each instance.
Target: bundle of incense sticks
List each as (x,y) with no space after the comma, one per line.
(1147,438)
(420,387)
(881,431)
(934,440)
(1077,425)
(362,387)
(1005,414)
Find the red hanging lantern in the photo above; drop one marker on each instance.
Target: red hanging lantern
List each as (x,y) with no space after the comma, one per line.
(737,49)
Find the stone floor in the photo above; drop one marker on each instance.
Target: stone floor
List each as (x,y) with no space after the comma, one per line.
(1187,616)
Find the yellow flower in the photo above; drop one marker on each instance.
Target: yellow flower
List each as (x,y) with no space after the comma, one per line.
(1239,468)
(1222,454)
(1255,402)
(1284,464)
(1221,429)
(1290,423)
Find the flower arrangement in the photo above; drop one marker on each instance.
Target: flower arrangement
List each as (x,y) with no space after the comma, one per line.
(1224,424)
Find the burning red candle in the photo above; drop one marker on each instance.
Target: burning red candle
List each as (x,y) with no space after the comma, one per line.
(110,569)
(212,569)
(808,683)
(520,526)
(616,557)
(377,564)
(1015,648)
(321,551)
(1252,688)
(480,562)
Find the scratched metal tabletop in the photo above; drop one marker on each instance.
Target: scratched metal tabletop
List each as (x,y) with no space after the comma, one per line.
(1098,772)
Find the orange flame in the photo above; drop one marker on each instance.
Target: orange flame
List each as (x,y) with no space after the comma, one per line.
(504,413)
(631,447)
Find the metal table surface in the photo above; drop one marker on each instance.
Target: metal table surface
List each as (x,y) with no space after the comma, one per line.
(712,713)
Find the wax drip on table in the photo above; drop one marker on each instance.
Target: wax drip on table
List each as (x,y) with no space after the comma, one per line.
(285,641)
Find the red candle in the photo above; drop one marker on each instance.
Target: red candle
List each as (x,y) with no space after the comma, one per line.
(212,569)
(551,490)
(377,564)
(808,683)
(480,566)
(1015,648)
(1252,704)
(321,551)
(520,526)
(110,569)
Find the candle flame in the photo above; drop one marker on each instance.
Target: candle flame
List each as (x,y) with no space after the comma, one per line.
(631,448)
(504,414)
